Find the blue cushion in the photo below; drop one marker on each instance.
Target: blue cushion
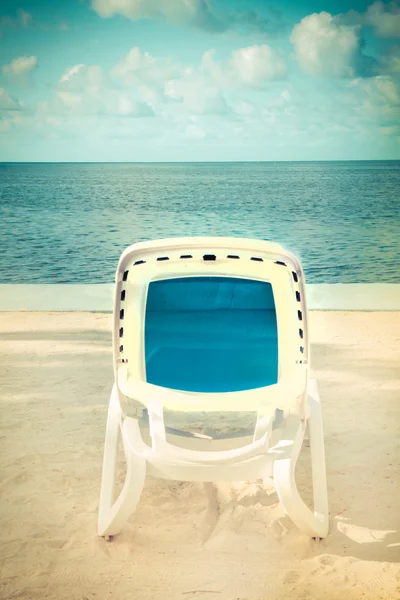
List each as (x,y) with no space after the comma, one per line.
(211,334)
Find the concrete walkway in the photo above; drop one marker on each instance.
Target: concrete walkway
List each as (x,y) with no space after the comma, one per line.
(99,297)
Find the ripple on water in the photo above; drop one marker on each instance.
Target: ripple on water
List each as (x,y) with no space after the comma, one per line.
(70,222)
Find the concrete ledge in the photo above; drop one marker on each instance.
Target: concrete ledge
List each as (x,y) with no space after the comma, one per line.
(353,296)
(99,297)
(57,297)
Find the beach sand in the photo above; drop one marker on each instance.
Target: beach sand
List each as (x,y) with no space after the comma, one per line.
(193,540)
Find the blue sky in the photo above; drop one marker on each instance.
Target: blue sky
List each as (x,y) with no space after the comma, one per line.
(199,80)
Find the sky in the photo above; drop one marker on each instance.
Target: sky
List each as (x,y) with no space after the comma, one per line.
(199,80)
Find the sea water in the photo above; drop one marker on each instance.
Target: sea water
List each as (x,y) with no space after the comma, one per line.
(69,223)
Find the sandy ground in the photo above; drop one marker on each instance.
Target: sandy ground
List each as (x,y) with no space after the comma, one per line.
(222,542)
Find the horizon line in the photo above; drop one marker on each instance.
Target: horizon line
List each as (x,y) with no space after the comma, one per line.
(143,162)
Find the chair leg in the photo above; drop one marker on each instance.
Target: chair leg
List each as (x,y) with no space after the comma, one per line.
(314,523)
(114,514)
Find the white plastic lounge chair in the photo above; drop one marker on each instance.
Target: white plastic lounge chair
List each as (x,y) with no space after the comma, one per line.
(208,324)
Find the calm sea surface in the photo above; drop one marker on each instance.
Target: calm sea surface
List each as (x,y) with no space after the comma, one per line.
(68,223)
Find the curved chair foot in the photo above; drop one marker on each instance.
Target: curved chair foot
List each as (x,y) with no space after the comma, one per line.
(314,523)
(114,514)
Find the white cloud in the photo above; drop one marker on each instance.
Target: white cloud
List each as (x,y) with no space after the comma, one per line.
(20,65)
(377,99)
(126,107)
(257,64)
(254,66)
(10,108)
(185,12)
(389,89)
(70,100)
(82,77)
(201,90)
(196,90)
(213,68)
(107,103)
(197,96)
(380,90)
(134,61)
(390,61)
(324,47)
(195,13)
(141,68)
(71,72)
(150,95)
(24,17)
(84,90)
(7,102)
(385,18)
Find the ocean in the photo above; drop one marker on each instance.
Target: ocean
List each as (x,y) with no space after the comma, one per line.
(69,223)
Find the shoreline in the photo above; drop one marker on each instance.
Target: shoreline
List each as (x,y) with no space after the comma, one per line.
(99,297)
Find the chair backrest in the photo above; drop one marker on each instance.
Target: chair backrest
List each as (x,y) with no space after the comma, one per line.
(211,334)
(211,324)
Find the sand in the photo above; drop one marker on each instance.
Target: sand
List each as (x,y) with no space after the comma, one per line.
(193,540)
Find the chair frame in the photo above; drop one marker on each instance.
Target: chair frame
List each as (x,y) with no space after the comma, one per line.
(270,454)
